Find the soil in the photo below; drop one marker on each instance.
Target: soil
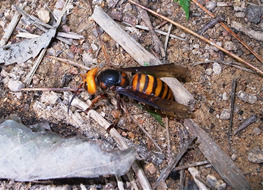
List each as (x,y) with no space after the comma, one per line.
(211,88)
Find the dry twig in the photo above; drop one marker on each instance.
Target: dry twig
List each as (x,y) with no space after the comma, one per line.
(157,43)
(157,31)
(191,165)
(233,91)
(165,173)
(246,123)
(12,25)
(200,37)
(70,62)
(196,176)
(229,30)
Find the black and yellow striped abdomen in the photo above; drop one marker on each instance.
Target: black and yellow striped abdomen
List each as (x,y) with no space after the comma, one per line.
(150,85)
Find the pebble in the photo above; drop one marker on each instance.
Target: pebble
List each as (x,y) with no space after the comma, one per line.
(59,4)
(225,115)
(240,14)
(150,168)
(255,155)
(213,182)
(254,13)
(234,157)
(220,185)
(239,6)
(248,98)
(44,15)
(209,71)
(217,69)
(88,59)
(230,46)
(225,96)
(15,85)
(128,7)
(49,97)
(210,5)
(256,131)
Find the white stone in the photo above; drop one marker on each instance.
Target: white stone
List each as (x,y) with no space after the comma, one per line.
(44,15)
(49,97)
(217,69)
(15,85)
(225,115)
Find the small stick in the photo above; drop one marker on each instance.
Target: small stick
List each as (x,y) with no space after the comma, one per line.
(165,173)
(200,37)
(213,22)
(148,135)
(35,67)
(191,165)
(157,43)
(169,154)
(233,92)
(230,63)
(103,46)
(229,30)
(167,37)
(195,174)
(12,25)
(246,123)
(204,182)
(70,62)
(182,176)
(120,183)
(156,30)
(50,89)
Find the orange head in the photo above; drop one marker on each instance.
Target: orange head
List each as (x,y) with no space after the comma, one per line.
(89,81)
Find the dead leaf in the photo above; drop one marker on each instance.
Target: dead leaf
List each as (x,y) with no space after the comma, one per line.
(28,156)
(22,51)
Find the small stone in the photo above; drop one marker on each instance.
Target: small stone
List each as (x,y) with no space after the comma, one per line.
(59,4)
(239,6)
(88,59)
(196,46)
(255,155)
(225,115)
(240,14)
(44,15)
(15,85)
(211,180)
(217,69)
(256,131)
(248,98)
(230,46)
(220,185)
(128,7)
(94,47)
(225,97)
(183,35)
(210,5)
(254,13)
(150,168)
(49,97)
(209,71)
(234,156)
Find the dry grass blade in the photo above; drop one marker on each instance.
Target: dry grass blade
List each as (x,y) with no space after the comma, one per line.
(70,62)
(229,30)
(165,173)
(200,37)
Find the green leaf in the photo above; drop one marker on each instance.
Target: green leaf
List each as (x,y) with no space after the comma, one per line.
(146,64)
(155,115)
(185,5)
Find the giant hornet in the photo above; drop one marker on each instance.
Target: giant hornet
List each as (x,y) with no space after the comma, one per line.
(145,86)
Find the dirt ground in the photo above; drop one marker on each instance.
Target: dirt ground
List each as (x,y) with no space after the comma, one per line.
(211,85)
